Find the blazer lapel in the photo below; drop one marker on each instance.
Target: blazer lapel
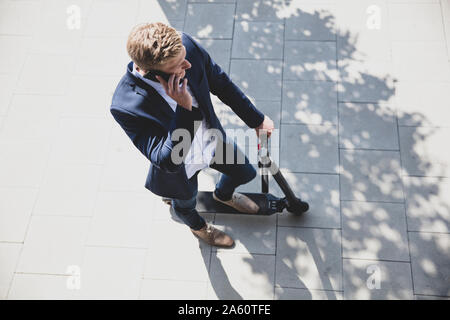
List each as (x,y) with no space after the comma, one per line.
(194,85)
(165,108)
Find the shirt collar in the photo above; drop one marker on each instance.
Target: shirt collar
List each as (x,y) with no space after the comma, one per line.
(140,76)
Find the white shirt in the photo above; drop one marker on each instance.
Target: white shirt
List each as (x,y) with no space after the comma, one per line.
(202,149)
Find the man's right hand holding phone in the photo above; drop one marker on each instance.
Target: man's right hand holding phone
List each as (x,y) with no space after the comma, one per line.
(176,92)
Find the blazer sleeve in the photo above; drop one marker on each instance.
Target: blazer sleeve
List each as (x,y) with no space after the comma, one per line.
(154,142)
(221,86)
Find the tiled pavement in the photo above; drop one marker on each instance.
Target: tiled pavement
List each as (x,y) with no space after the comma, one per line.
(360,91)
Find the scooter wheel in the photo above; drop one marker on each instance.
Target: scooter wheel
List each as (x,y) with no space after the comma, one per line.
(298,207)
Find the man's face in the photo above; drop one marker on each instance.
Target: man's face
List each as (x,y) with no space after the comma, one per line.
(176,65)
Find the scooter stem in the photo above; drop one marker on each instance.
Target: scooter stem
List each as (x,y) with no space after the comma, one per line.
(264,161)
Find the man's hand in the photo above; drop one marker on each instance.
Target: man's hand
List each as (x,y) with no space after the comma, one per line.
(266,125)
(177,93)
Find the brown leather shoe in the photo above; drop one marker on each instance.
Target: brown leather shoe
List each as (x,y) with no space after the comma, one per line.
(213,236)
(240,202)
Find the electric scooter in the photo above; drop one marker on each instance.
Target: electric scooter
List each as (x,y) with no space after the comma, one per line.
(268,203)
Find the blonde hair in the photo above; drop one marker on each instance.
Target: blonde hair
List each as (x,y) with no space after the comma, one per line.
(150,45)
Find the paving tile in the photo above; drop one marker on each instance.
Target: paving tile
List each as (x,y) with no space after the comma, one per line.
(316,146)
(7,82)
(212,20)
(19,17)
(413,105)
(424,297)
(310,60)
(422,152)
(416,22)
(251,234)
(427,205)
(367,126)
(419,61)
(309,102)
(212,1)
(374,230)
(366,80)
(161,212)
(377,280)
(68,190)
(413,1)
(259,10)
(111,273)
(258,40)
(15,212)
(445,7)
(172,290)
(81,140)
(252,76)
(219,50)
(63,42)
(40,287)
(30,157)
(9,254)
(39,74)
(53,244)
(241,276)
(111,18)
(272,109)
(321,191)
(430,263)
(102,56)
(177,24)
(125,167)
(96,97)
(120,220)
(306,294)
(165,258)
(363,30)
(21,124)
(166,11)
(60,27)
(370,175)
(309,258)
(310,21)
(14,52)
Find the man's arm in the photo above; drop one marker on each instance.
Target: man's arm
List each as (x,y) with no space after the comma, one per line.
(222,86)
(153,141)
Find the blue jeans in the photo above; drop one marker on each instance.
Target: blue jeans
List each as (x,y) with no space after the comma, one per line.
(234,174)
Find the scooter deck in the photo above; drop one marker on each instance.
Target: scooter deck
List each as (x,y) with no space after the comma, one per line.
(207,204)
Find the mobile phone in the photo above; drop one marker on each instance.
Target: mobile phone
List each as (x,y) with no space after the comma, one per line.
(151,75)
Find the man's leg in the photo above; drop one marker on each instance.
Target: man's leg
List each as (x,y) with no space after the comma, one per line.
(185,210)
(236,172)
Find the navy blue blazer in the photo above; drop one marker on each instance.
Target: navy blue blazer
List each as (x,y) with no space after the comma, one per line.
(149,121)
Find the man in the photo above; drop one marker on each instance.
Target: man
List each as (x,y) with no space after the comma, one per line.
(152,110)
